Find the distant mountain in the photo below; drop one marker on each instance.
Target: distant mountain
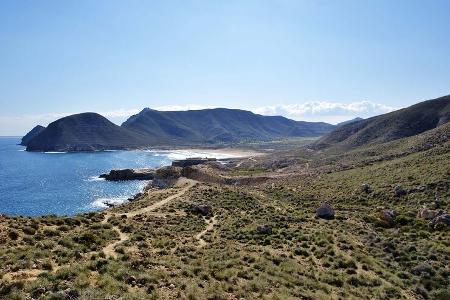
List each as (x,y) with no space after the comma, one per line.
(84,132)
(218,125)
(90,131)
(31,135)
(350,121)
(391,126)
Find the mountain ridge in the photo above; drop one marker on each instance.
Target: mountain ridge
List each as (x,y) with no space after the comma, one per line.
(220,125)
(349,121)
(84,132)
(405,122)
(149,128)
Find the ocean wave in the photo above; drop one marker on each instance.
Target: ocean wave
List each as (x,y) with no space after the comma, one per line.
(184,154)
(103,202)
(95,178)
(55,152)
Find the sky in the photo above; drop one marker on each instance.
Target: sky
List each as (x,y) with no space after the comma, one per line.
(307,60)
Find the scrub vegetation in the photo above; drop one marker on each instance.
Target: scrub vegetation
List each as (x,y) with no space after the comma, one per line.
(158,247)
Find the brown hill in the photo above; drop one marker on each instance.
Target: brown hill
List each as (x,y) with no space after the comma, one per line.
(391,126)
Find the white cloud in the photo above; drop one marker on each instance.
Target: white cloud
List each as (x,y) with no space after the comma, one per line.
(332,112)
(120,113)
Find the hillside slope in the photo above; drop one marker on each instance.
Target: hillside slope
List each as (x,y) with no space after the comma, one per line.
(349,121)
(218,126)
(391,126)
(84,132)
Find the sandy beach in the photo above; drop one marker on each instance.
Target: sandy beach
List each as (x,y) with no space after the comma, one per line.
(232,152)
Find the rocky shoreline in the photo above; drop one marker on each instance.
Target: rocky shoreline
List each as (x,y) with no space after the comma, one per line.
(163,177)
(199,169)
(150,174)
(129,174)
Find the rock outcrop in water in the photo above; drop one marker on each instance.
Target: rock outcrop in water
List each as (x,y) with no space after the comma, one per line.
(32,134)
(129,174)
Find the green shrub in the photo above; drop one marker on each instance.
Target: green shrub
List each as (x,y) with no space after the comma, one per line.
(13,235)
(29,230)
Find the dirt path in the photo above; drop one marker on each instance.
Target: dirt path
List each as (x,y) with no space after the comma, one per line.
(244,160)
(109,249)
(210,225)
(28,274)
(190,184)
(31,274)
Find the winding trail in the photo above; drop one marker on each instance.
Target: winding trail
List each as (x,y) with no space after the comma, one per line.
(190,184)
(210,225)
(28,274)
(244,160)
(109,248)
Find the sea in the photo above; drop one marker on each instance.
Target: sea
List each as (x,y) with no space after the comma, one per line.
(60,183)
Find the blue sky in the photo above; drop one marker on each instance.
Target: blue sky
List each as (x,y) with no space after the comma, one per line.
(309,60)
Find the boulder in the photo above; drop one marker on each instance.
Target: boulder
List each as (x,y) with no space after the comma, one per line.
(366,188)
(428,214)
(437,201)
(202,209)
(325,211)
(67,294)
(443,220)
(387,217)
(422,268)
(264,229)
(135,197)
(71,294)
(399,191)
(38,291)
(131,280)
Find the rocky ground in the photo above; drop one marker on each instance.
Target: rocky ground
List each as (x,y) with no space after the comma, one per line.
(315,226)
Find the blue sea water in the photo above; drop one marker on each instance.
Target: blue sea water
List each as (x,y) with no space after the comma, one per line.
(34,183)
